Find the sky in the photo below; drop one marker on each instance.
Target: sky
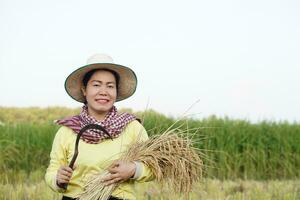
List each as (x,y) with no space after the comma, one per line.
(232,58)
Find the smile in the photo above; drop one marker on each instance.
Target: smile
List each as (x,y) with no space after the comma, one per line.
(102,100)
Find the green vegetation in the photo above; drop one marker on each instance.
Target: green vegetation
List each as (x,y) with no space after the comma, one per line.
(34,115)
(234,149)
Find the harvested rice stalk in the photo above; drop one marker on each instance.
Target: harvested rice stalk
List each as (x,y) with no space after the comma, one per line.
(171,158)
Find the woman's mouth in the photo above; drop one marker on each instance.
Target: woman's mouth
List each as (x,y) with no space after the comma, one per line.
(102,101)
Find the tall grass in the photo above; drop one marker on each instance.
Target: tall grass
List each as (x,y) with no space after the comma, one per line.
(240,149)
(234,148)
(25,147)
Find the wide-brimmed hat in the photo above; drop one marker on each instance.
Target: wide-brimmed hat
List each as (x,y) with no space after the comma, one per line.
(127,83)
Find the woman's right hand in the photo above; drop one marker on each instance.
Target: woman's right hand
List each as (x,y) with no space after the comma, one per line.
(63,176)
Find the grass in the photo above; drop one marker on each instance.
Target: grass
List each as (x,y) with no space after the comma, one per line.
(21,144)
(244,160)
(236,149)
(34,188)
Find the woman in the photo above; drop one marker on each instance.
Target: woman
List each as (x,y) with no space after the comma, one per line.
(98,85)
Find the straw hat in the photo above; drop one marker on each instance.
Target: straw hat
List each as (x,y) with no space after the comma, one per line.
(127,83)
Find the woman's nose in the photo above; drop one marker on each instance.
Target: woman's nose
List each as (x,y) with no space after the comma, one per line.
(102,91)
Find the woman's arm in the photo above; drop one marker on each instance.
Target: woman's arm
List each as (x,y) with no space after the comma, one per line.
(58,158)
(121,171)
(143,172)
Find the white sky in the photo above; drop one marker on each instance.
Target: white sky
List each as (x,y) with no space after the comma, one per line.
(240,58)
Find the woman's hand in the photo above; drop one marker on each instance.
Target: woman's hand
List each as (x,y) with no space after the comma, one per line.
(120,171)
(63,176)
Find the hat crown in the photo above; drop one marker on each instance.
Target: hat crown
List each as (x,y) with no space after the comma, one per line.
(99,58)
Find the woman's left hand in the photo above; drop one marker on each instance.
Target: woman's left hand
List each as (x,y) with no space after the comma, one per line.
(120,171)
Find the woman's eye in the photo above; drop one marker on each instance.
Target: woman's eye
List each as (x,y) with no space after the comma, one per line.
(111,86)
(96,85)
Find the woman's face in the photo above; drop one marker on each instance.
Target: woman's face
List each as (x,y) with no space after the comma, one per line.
(100,93)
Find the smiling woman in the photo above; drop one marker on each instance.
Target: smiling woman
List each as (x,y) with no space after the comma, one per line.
(98,85)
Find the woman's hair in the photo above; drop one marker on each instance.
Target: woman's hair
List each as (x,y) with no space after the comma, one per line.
(89,74)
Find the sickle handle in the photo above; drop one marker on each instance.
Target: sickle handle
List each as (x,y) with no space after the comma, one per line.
(87,127)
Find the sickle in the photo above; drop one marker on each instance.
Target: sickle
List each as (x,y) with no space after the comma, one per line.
(87,127)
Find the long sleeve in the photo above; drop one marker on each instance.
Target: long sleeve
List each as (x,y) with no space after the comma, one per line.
(58,158)
(140,134)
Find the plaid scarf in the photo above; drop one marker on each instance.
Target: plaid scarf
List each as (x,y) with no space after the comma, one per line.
(113,122)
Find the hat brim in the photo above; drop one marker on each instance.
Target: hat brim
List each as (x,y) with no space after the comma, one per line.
(127,83)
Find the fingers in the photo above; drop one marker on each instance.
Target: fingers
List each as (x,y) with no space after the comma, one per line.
(116,180)
(120,171)
(67,171)
(113,170)
(63,179)
(115,164)
(64,175)
(111,179)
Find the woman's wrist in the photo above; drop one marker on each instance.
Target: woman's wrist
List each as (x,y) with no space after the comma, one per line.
(138,170)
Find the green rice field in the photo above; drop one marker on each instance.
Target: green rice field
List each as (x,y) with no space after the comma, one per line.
(243,160)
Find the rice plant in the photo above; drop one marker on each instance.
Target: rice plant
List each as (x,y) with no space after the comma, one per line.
(234,148)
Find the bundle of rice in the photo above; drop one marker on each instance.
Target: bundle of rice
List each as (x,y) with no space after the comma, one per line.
(171,158)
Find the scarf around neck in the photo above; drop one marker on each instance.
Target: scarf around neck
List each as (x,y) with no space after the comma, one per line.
(113,122)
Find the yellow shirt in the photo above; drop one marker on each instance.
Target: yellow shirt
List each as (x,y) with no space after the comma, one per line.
(94,158)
